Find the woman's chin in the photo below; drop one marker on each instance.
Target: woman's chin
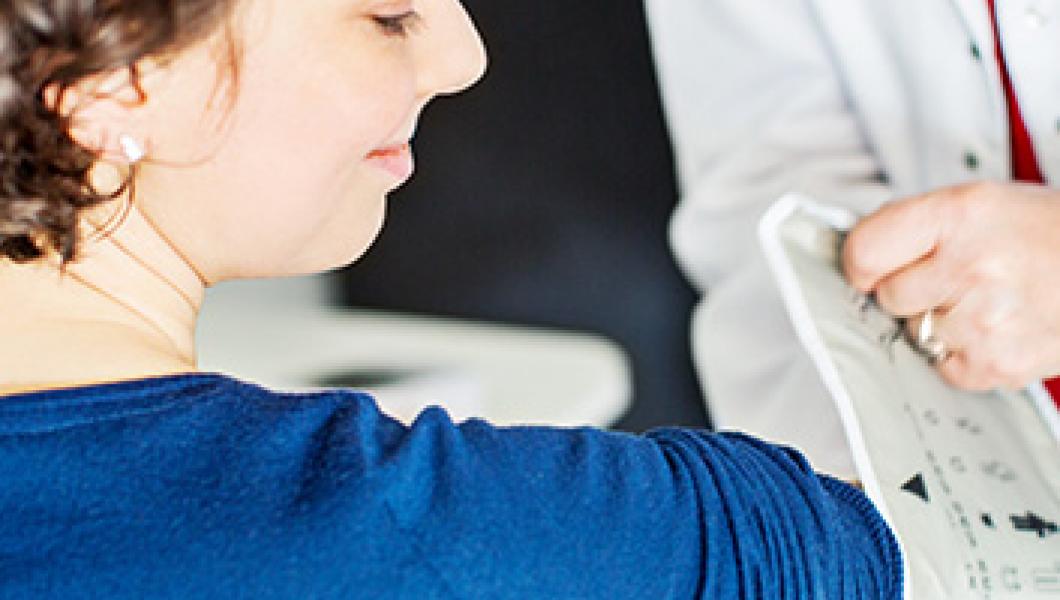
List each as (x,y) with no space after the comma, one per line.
(349,255)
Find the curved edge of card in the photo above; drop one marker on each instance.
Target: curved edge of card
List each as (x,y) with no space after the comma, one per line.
(786,279)
(769,234)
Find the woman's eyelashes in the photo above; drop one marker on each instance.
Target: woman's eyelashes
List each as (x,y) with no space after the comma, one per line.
(397,25)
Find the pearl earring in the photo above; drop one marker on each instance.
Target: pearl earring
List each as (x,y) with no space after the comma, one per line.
(132,149)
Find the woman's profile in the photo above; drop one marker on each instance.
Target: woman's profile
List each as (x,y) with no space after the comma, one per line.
(151,148)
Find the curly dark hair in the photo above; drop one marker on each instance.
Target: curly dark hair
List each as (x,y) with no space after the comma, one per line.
(54,44)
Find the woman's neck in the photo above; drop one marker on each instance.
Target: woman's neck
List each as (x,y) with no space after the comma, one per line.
(125,309)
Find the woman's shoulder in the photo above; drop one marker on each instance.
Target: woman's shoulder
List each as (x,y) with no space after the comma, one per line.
(194,414)
(165,391)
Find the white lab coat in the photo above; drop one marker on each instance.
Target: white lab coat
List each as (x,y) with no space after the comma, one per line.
(853,102)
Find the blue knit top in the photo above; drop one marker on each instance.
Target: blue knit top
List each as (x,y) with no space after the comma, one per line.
(202,486)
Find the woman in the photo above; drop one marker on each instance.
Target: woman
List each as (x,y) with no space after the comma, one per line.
(153,147)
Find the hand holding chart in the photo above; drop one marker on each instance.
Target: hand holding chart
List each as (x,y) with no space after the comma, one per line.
(969,481)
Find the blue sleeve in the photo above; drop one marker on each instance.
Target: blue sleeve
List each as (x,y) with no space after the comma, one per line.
(580,513)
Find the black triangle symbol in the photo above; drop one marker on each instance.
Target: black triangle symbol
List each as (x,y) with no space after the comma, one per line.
(917,487)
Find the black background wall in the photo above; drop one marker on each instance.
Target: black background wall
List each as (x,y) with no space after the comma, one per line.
(543,197)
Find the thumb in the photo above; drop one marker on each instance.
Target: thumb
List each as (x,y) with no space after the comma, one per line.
(899,234)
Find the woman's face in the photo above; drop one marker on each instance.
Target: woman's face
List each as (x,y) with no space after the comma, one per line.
(286,170)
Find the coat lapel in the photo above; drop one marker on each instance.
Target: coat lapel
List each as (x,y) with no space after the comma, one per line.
(975,15)
(976,18)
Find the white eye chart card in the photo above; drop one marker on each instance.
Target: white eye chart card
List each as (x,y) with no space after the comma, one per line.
(970,482)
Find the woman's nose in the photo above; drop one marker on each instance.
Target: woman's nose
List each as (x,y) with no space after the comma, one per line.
(453,56)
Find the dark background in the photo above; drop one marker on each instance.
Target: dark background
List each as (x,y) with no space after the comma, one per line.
(543,197)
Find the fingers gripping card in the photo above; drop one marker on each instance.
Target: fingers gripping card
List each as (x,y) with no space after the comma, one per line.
(970,482)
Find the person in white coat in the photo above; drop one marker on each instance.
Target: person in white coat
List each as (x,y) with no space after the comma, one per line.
(858,103)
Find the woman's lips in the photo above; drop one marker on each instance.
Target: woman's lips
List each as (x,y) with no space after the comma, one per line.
(396,160)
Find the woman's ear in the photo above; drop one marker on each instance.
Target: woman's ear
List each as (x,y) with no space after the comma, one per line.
(103,114)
